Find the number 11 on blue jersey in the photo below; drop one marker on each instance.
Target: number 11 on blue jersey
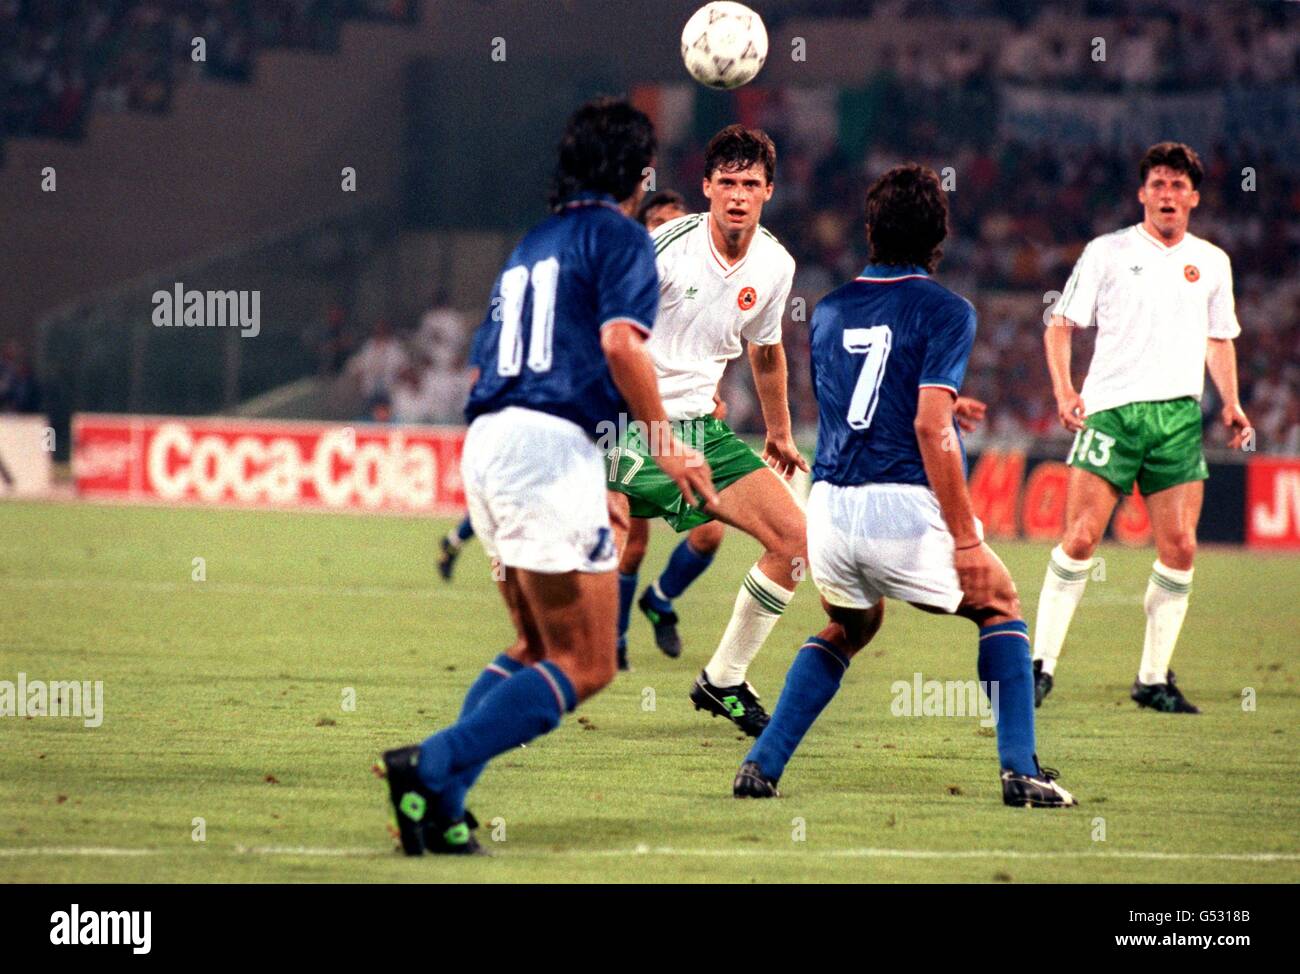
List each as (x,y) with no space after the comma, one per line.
(545,276)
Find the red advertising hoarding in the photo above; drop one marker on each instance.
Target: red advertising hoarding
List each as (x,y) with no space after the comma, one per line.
(1255,502)
(1273,503)
(260,463)
(416,469)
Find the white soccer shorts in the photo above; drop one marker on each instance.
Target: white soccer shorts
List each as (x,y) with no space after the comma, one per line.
(877,541)
(535,486)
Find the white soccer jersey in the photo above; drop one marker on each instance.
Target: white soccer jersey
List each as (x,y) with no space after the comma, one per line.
(707,306)
(1155,307)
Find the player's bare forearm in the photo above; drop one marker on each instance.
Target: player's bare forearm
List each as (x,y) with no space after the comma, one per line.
(1070,409)
(768,365)
(943,466)
(633,371)
(1057,338)
(1221,360)
(780,452)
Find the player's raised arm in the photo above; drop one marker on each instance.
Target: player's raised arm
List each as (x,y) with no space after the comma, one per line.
(633,372)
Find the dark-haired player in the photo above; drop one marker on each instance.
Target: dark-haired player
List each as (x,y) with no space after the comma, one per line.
(560,352)
(724,282)
(660,207)
(695,552)
(1161,300)
(889,515)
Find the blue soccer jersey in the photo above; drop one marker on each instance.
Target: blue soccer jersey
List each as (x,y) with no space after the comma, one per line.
(876,342)
(539,344)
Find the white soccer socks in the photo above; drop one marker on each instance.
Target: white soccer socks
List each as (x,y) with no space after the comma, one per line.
(1166,606)
(758,606)
(1062,589)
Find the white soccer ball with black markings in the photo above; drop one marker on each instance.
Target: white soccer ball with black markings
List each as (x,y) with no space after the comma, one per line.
(724,44)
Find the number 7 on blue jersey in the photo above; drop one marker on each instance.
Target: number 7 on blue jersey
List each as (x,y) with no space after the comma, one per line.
(874,343)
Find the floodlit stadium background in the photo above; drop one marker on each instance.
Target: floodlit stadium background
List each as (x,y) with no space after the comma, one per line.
(365,165)
(362,167)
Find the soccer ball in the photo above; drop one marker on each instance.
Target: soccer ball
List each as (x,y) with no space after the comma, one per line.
(724,44)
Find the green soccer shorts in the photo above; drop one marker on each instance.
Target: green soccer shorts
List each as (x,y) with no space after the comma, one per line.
(632,471)
(1156,445)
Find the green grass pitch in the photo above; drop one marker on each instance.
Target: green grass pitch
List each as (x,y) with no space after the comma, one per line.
(224,702)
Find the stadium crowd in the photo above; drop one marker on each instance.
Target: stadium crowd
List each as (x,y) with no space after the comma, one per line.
(417,377)
(1021,214)
(1161,45)
(60,60)
(1022,208)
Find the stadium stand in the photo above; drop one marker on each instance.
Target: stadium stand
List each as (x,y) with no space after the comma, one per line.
(65,58)
(1041,138)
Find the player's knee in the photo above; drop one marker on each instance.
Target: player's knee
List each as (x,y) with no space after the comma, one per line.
(525,652)
(707,538)
(1008,603)
(865,626)
(620,518)
(1080,541)
(791,544)
(850,630)
(594,674)
(841,637)
(1179,551)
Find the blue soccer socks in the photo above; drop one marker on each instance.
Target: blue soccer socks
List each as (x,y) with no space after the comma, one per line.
(520,708)
(501,668)
(813,679)
(1007,676)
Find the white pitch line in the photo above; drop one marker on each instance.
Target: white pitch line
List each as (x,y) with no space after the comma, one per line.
(305,850)
(424,593)
(872,853)
(672,852)
(76,851)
